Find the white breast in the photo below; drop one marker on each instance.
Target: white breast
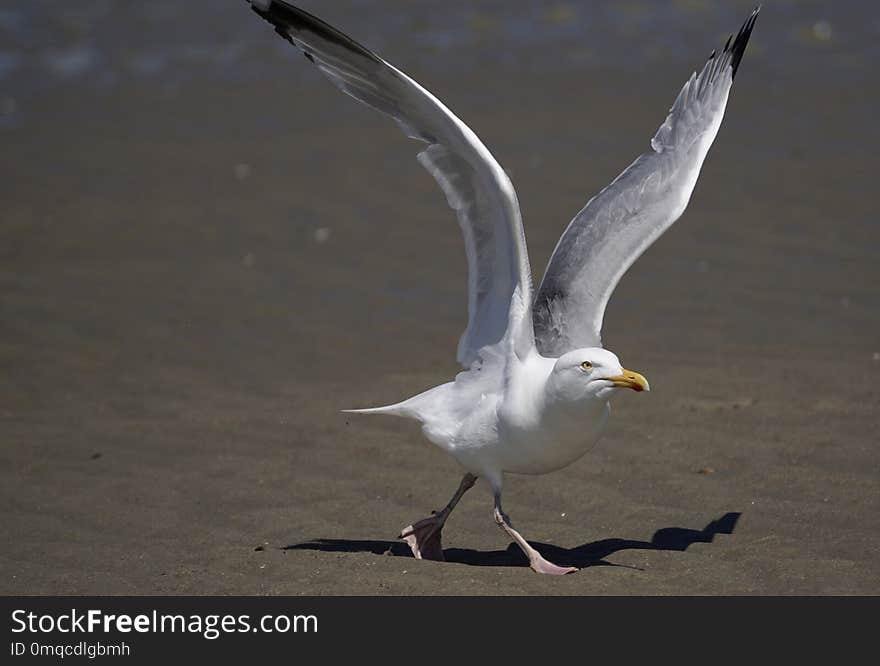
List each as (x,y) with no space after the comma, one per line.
(557,440)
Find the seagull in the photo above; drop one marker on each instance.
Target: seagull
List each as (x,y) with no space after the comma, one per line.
(536,388)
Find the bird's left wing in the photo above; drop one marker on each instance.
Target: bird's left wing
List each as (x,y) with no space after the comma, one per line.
(622,221)
(476,187)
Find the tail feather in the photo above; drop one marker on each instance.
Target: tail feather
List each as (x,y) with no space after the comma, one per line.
(411,408)
(398,409)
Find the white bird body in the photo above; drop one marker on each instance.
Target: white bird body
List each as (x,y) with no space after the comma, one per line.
(512,423)
(535,392)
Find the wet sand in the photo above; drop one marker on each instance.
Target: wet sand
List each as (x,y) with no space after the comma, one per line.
(196,278)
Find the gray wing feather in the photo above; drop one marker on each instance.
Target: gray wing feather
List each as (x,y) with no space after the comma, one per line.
(624,219)
(475,185)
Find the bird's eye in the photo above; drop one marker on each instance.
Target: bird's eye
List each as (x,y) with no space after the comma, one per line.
(586,365)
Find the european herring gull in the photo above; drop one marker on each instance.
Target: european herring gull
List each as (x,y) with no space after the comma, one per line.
(536,387)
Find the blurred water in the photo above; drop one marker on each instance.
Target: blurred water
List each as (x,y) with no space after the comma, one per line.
(96,44)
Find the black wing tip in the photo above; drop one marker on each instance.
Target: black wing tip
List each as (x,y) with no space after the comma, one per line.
(286,17)
(738,47)
(264,11)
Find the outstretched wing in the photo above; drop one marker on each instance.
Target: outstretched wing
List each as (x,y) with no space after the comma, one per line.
(475,185)
(622,221)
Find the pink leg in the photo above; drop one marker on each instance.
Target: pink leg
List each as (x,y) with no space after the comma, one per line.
(536,561)
(423,537)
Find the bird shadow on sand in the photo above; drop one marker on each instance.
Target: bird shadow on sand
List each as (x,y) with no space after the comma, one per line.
(586,555)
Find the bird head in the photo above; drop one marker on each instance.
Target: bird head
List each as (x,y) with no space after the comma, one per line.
(592,372)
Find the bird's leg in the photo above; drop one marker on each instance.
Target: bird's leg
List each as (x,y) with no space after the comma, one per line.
(536,560)
(423,537)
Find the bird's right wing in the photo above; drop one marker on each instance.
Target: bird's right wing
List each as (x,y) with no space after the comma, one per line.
(476,187)
(622,221)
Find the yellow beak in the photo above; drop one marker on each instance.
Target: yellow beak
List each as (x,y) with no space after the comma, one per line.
(630,379)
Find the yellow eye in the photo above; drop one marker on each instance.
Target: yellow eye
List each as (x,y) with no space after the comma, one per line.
(586,365)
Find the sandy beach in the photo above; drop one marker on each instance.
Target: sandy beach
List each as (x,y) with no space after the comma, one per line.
(206,254)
